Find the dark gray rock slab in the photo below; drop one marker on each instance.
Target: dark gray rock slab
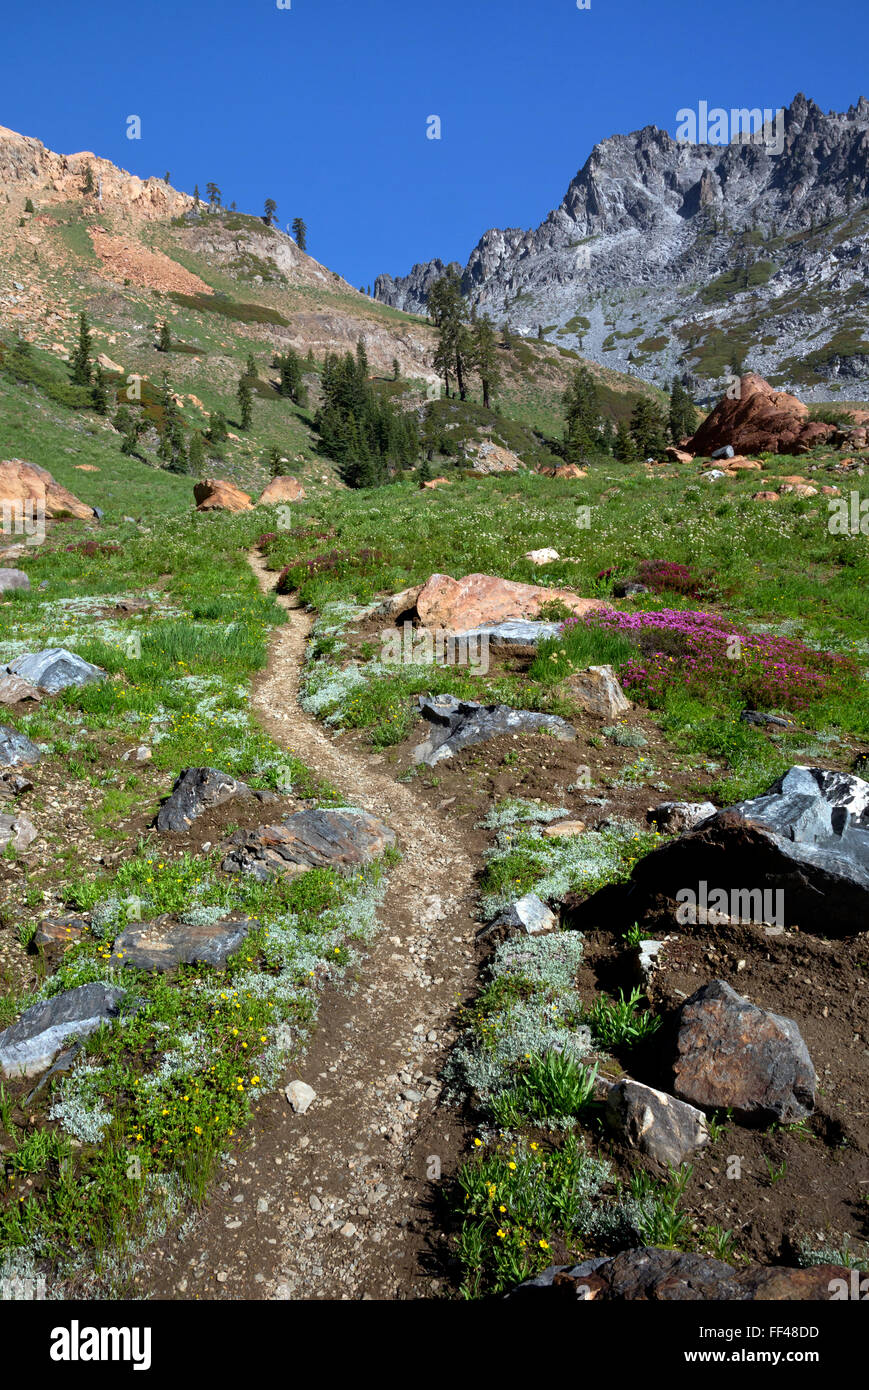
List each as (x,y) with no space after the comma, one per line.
(309,840)
(55,669)
(664,1128)
(196,790)
(458,724)
(16,749)
(31,1044)
(166,943)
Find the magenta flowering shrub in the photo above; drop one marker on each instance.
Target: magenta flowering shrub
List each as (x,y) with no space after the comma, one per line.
(704,652)
(665,576)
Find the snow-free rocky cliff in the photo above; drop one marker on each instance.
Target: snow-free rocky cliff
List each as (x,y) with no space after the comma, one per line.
(666,257)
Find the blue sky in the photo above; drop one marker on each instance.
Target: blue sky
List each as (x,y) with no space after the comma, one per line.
(323,106)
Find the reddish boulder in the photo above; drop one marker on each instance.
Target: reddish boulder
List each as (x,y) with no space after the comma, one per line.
(26,483)
(281,489)
(461,604)
(760,420)
(216,495)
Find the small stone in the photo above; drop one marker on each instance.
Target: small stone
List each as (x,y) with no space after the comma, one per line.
(301,1096)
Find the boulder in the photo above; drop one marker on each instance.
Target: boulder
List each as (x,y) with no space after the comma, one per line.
(675,1276)
(31,1044)
(760,420)
(483,599)
(563,828)
(396,604)
(731,1054)
(280,489)
(513,634)
(563,470)
(678,455)
(59,931)
(17,831)
(13,579)
(665,1129)
(165,943)
(16,748)
(805,842)
(537,557)
(309,840)
(55,669)
(197,789)
(432,483)
(458,724)
(14,688)
(487,458)
(528,914)
(675,817)
(217,495)
(597,691)
(301,1096)
(26,483)
(764,496)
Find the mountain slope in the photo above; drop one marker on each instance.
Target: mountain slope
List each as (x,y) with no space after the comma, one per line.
(668,257)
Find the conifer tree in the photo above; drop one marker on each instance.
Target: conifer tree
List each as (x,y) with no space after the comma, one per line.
(300,232)
(99,397)
(623,445)
(582,416)
(81,360)
(245,402)
(484,358)
(165,337)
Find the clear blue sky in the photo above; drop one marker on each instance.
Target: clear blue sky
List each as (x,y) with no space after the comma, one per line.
(323,106)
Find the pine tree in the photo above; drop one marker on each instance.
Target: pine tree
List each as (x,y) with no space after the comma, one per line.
(218,429)
(171,449)
(448,311)
(300,232)
(129,426)
(682,415)
(28,206)
(623,445)
(648,428)
(214,195)
(165,337)
(395,369)
(88,185)
(81,360)
(269,211)
(196,194)
(245,402)
(582,416)
(99,396)
(166,178)
(484,358)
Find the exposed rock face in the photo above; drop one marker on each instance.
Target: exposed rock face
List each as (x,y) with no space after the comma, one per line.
(515,634)
(55,669)
(196,790)
(164,944)
(459,723)
(482,599)
(31,487)
(14,688)
(806,841)
(597,691)
(671,1276)
(666,1129)
(760,420)
(309,840)
(733,1055)
(216,495)
(16,749)
(492,458)
(640,212)
(31,1044)
(281,489)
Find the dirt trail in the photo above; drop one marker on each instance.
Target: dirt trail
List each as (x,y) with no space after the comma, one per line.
(337,1203)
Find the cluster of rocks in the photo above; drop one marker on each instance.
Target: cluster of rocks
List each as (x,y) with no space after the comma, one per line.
(309,840)
(458,724)
(218,495)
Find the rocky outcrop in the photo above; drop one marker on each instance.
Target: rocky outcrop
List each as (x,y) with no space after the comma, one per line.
(458,605)
(644,211)
(217,495)
(164,944)
(458,724)
(759,420)
(803,847)
(16,749)
(675,1276)
(196,790)
(281,489)
(28,490)
(55,669)
(733,1055)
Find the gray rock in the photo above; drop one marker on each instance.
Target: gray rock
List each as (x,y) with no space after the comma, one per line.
(647,958)
(727,452)
(16,749)
(756,716)
(301,1096)
(804,843)
(164,944)
(31,1044)
(675,817)
(13,579)
(517,633)
(55,669)
(628,588)
(18,831)
(196,790)
(713,474)
(665,1129)
(731,1054)
(458,724)
(308,840)
(597,691)
(529,914)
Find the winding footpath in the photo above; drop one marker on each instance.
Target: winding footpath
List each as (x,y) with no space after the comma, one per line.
(341,1202)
